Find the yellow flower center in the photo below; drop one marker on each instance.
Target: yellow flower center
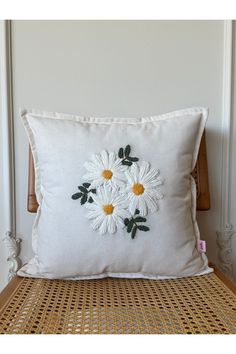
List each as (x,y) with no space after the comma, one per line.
(107,174)
(138,189)
(108,209)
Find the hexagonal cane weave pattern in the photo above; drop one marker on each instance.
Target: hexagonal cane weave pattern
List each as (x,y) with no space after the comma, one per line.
(127,306)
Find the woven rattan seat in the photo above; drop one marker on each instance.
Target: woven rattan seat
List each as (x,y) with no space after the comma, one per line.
(202,304)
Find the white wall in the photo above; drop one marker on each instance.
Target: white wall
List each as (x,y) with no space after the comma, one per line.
(121,68)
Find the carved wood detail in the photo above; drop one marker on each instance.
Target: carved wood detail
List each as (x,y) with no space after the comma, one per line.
(13,247)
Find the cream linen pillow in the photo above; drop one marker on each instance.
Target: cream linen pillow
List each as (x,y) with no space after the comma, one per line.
(115,195)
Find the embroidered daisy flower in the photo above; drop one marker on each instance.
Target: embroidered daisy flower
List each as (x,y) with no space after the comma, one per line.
(108,210)
(106,169)
(142,191)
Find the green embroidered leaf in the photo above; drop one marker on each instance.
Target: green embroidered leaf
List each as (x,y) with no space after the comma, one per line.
(83,189)
(127,150)
(86,185)
(126,222)
(129,227)
(140,219)
(143,228)
(84,199)
(90,200)
(93,191)
(121,153)
(133,233)
(137,211)
(76,196)
(132,159)
(126,163)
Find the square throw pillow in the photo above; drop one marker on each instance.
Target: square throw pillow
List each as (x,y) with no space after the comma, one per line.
(116,197)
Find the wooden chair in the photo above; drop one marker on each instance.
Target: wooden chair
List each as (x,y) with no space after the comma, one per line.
(203,304)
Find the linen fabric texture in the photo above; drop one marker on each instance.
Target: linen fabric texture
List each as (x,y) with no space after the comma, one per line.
(92,238)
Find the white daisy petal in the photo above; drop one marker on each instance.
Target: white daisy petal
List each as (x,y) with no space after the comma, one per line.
(97,222)
(118,182)
(112,160)
(120,201)
(159,195)
(108,195)
(96,159)
(151,203)
(105,159)
(129,178)
(93,208)
(122,213)
(111,225)
(142,206)
(90,167)
(103,226)
(154,185)
(133,205)
(134,169)
(92,214)
(118,220)
(144,169)
(96,200)
(152,175)
(97,183)
(90,176)
(159,181)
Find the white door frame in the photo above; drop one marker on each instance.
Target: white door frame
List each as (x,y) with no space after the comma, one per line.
(7,148)
(224,235)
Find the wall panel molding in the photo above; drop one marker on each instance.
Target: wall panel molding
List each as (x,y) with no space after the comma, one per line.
(7,141)
(226,231)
